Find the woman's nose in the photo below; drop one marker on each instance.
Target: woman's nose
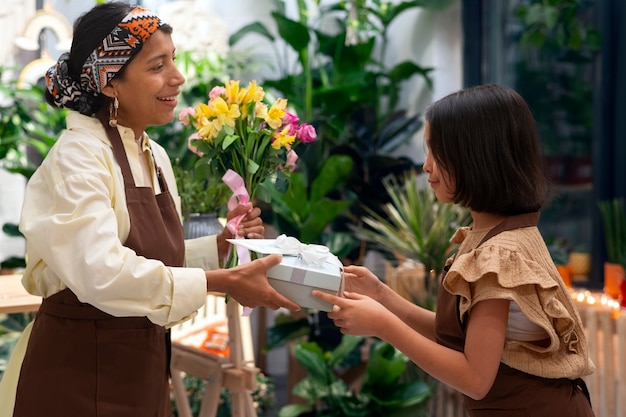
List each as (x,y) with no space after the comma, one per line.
(177,77)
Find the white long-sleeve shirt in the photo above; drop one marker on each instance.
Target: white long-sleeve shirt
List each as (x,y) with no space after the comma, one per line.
(75,221)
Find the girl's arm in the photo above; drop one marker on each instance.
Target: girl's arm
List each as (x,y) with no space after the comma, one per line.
(361,280)
(471,372)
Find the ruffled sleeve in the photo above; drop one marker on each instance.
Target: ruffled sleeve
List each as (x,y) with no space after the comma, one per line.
(494,272)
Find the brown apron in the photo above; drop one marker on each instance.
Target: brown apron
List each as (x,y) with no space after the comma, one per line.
(514,393)
(81,361)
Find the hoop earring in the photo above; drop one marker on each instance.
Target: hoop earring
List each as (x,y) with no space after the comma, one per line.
(113,106)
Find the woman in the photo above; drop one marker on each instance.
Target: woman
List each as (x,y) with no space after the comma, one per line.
(105,246)
(506,333)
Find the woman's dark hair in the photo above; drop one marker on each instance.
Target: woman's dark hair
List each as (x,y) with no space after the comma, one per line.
(89,30)
(486,139)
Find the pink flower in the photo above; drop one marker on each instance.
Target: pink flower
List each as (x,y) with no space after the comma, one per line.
(306,133)
(191,147)
(291,120)
(186,115)
(217,91)
(292,158)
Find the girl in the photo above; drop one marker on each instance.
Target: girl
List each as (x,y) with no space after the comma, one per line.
(506,333)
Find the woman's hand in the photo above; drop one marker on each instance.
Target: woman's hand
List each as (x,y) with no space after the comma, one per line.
(250,226)
(248,284)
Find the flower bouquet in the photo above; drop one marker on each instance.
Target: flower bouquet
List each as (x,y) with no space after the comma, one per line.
(247,141)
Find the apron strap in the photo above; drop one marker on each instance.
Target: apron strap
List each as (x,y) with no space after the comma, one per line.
(511,223)
(118,150)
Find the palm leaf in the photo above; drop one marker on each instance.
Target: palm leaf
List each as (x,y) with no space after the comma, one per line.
(613,214)
(414,224)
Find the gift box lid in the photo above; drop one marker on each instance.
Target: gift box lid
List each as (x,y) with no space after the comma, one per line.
(285,245)
(295,270)
(305,264)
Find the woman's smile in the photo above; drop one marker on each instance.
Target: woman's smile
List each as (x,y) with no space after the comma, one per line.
(169,101)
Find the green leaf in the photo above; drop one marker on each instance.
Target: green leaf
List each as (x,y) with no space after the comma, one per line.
(414,223)
(346,346)
(395,11)
(311,357)
(398,131)
(229,140)
(13,262)
(340,243)
(385,365)
(293,410)
(282,332)
(404,395)
(11,229)
(294,33)
(256,27)
(613,213)
(321,213)
(295,200)
(15,322)
(253,167)
(551,17)
(405,70)
(333,173)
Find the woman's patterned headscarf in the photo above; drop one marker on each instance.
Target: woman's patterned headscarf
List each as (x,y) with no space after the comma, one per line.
(103,63)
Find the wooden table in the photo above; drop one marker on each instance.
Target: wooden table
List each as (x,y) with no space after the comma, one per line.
(13,296)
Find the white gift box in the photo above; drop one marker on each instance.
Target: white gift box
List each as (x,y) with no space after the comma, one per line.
(302,269)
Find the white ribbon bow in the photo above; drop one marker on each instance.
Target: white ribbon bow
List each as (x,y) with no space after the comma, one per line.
(310,253)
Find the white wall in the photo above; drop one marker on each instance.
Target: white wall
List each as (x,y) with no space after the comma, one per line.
(11,195)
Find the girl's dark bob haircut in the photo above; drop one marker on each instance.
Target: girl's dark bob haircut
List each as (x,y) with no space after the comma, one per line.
(485,138)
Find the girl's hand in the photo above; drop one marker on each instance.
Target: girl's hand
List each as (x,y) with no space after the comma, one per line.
(355,313)
(362,280)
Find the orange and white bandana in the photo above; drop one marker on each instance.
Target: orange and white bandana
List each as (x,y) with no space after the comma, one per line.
(103,63)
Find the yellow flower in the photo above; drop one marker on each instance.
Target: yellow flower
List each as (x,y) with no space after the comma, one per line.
(260,111)
(256,138)
(224,113)
(283,139)
(276,113)
(252,93)
(203,111)
(209,129)
(232,91)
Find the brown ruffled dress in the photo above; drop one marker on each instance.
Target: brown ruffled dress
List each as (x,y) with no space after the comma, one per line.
(511,262)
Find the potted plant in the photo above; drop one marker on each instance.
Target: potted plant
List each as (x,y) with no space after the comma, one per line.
(379,390)
(613,213)
(331,61)
(203,200)
(415,226)
(308,206)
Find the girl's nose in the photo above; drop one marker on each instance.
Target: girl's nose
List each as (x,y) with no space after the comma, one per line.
(428,164)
